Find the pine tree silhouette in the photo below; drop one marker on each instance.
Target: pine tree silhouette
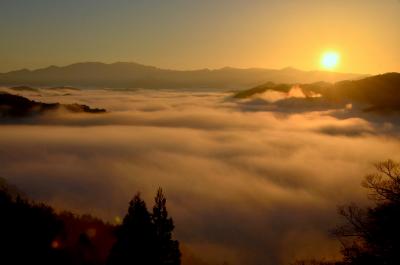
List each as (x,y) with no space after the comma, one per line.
(144,238)
(135,237)
(167,249)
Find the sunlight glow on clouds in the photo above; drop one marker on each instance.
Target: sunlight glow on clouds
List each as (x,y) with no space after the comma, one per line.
(253,185)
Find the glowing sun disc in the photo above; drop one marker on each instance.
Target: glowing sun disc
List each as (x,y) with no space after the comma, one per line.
(330,60)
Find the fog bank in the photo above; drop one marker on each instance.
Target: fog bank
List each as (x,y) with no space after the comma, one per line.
(247,187)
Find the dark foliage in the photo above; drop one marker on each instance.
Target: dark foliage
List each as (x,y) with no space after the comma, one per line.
(33,233)
(28,232)
(166,247)
(135,236)
(86,239)
(144,238)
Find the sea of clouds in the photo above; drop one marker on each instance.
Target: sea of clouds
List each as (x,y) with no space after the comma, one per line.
(244,185)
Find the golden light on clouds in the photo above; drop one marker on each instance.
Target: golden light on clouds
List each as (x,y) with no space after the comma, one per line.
(330,60)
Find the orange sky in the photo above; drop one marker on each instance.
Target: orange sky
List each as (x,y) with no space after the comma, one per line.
(198,34)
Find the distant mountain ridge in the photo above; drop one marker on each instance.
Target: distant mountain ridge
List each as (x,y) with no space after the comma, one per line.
(134,75)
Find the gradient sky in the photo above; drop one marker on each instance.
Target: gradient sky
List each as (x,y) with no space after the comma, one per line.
(188,34)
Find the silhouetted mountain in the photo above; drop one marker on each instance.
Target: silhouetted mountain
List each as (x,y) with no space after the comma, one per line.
(63,88)
(307,88)
(377,93)
(133,75)
(381,92)
(24,88)
(17,106)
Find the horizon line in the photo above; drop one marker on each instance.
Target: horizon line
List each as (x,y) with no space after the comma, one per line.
(187,70)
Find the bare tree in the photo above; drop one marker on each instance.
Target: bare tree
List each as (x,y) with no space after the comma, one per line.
(385,184)
(372,235)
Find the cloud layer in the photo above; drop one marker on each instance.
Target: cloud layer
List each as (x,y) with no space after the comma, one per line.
(245,187)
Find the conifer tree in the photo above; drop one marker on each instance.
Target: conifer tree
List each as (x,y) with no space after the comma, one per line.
(135,237)
(144,238)
(168,252)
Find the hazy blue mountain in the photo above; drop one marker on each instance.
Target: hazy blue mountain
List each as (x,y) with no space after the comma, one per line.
(133,75)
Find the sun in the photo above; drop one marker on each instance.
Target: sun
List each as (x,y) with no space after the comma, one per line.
(330,60)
